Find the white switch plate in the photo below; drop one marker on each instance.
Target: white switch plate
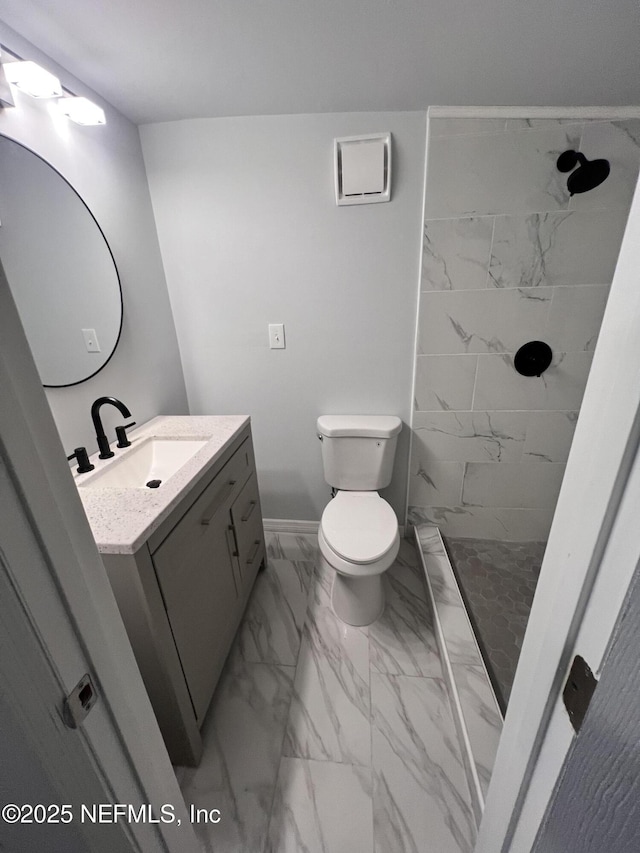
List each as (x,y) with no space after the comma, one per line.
(91,340)
(276,336)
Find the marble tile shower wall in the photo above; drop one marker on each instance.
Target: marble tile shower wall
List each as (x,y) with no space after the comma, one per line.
(508,257)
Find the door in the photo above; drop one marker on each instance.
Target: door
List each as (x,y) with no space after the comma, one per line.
(590,559)
(595,807)
(59,621)
(43,762)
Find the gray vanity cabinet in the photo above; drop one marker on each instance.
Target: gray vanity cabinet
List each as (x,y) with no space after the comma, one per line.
(196,578)
(246,528)
(183,593)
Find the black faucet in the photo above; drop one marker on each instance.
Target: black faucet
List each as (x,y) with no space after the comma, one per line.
(82,458)
(103,442)
(123,438)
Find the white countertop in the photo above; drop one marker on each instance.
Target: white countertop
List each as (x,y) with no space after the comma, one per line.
(123,519)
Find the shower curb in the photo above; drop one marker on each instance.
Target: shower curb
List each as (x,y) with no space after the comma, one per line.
(458,648)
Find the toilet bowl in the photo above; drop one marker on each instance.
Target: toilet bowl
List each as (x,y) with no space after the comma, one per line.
(358,538)
(358,535)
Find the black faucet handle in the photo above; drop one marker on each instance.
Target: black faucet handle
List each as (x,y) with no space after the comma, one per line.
(121,432)
(82,457)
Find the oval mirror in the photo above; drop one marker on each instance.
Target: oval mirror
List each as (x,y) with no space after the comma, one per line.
(60,269)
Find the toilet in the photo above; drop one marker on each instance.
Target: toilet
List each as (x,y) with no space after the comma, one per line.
(358,535)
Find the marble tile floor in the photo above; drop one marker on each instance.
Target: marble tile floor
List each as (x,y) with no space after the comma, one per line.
(323,738)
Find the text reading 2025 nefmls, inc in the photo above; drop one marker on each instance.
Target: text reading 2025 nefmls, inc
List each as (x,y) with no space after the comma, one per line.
(29,813)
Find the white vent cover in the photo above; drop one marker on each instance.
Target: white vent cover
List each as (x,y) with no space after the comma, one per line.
(363,168)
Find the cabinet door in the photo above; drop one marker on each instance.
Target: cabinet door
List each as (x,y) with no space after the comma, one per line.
(200,595)
(247,522)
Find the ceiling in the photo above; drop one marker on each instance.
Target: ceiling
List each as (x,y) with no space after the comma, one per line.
(160,60)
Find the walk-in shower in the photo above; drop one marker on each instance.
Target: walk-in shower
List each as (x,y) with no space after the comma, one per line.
(513,254)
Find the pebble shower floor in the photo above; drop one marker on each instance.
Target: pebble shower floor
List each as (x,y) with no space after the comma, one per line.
(498,581)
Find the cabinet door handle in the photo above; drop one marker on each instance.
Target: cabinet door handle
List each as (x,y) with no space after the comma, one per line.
(256,545)
(247,514)
(211,510)
(231,540)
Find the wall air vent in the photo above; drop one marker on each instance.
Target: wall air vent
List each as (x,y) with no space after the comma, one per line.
(363,168)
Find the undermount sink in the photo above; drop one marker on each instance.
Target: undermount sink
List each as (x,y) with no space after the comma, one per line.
(153,462)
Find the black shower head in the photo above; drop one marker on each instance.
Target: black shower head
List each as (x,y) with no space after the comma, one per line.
(588,175)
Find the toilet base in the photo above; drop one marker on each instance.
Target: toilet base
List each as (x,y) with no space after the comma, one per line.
(358,601)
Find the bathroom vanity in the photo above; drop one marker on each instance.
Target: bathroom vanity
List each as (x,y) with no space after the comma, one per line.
(182,559)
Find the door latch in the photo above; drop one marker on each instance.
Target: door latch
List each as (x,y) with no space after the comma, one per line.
(79,702)
(578,691)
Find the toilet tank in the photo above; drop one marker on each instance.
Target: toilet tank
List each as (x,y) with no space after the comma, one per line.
(358,450)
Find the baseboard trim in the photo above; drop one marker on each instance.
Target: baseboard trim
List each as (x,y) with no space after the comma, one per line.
(293,525)
(289,525)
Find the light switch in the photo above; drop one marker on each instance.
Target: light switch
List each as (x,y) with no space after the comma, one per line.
(91,340)
(276,336)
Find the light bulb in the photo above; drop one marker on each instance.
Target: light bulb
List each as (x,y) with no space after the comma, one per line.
(30,78)
(82,111)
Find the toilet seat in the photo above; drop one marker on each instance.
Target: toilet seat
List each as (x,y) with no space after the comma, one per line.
(359,529)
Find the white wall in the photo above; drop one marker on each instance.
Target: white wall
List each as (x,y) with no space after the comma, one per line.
(250,234)
(105,166)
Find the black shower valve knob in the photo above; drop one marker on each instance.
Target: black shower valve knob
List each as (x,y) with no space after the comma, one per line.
(533,358)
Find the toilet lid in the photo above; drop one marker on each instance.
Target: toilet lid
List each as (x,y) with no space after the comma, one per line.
(359,526)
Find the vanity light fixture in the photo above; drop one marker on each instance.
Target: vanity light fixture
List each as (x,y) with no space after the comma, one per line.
(30,78)
(6,95)
(82,111)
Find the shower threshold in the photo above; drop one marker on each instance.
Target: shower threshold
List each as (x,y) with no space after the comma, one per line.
(473,702)
(481,593)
